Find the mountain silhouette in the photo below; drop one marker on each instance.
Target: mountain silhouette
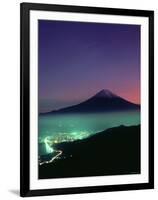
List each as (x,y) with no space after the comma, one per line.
(103,101)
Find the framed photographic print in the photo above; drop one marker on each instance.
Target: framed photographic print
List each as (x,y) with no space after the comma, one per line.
(87,99)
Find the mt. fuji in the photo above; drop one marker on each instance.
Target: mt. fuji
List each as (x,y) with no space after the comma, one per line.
(103,101)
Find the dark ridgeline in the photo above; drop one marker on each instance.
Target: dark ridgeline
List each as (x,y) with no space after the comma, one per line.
(103,101)
(111,152)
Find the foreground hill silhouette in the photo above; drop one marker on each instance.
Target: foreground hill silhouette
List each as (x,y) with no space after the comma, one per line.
(111,152)
(103,101)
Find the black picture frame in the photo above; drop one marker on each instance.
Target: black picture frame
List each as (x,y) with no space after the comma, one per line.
(25,9)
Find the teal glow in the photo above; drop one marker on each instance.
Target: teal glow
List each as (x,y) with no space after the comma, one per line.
(48,148)
(63,128)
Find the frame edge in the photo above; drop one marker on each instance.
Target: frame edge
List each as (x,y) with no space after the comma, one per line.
(24,100)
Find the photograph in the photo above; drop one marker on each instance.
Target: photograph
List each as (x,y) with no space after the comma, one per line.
(87,93)
(88,99)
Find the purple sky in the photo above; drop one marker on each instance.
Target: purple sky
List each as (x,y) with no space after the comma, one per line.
(76,60)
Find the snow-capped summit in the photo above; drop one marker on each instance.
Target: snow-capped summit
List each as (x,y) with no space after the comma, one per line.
(106,94)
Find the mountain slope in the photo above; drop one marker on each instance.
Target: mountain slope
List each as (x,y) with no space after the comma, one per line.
(103,101)
(111,152)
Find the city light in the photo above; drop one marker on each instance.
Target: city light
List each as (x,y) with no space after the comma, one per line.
(48,148)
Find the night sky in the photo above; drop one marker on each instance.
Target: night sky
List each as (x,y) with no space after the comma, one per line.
(78,59)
